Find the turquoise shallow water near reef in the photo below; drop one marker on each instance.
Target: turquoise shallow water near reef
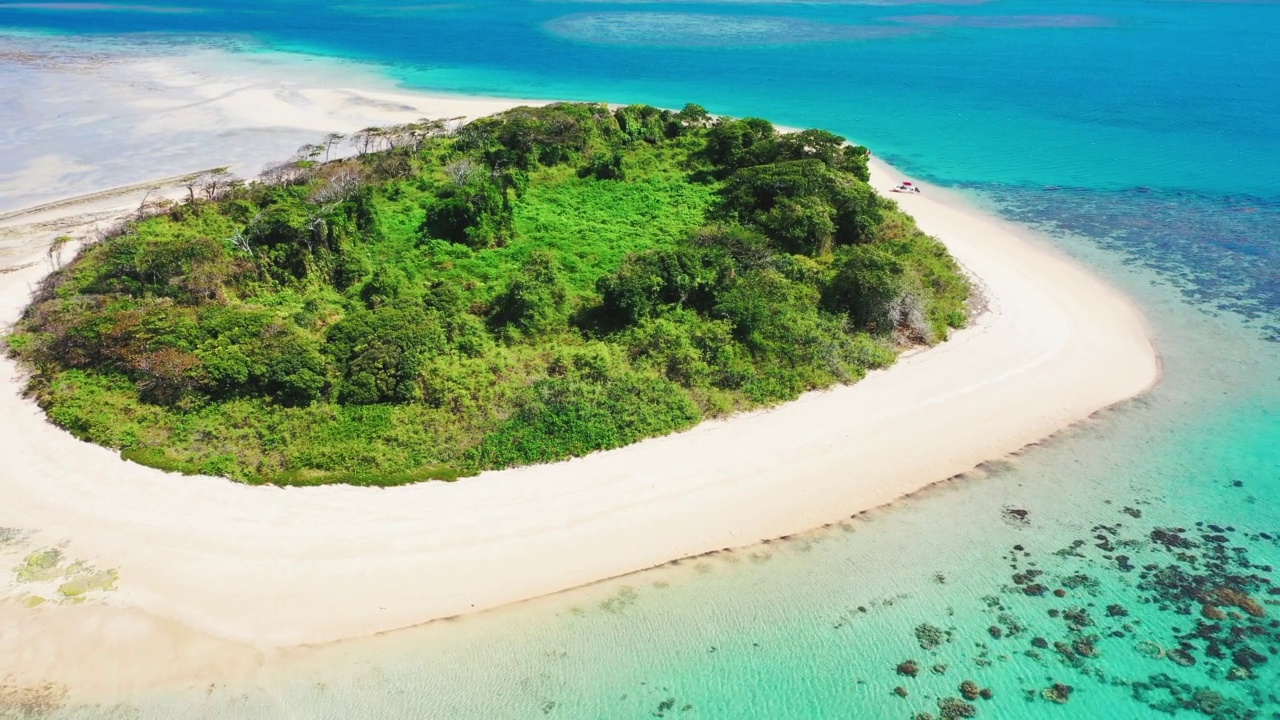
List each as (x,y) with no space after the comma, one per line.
(1141,136)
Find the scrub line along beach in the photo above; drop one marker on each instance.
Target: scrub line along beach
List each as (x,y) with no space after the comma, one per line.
(204,568)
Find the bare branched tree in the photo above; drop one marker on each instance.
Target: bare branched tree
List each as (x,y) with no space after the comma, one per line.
(461,171)
(240,240)
(109,231)
(275,173)
(906,312)
(290,172)
(191,182)
(339,185)
(367,140)
(142,207)
(451,125)
(329,141)
(309,153)
(979,301)
(216,182)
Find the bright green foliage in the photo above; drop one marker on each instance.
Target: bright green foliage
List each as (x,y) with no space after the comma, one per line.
(380,353)
(536,298)
(804,206)
(585,411)
(668,278)
(477,214)
(40,566)
(866,279)
(733,144)
(542,284)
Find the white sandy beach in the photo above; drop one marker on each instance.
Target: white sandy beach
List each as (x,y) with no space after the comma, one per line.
(215,576)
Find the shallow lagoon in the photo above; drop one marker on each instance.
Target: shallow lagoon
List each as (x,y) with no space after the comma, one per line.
(815,625)
(1163,180)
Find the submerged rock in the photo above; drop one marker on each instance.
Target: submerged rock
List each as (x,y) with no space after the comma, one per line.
(1212,612)
(1016,515)
(908,668)
(1171,538)
(1086,646)
(1248,658)
(952,708)
(930,636)
(1150,649)
(1077,617)
(1181,657)
(1238,673)
(1240,599)
(969,690)
(1059,693)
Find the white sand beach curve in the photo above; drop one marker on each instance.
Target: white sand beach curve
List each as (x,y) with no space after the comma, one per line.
(267,567)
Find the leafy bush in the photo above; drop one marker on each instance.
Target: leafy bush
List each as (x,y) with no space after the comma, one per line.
(572,416)
(542,284)
(803,205)
(477,214)
(650,282)
(733,144)
(536,298)
(380,353)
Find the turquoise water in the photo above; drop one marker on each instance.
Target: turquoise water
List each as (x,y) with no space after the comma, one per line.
(1141,136)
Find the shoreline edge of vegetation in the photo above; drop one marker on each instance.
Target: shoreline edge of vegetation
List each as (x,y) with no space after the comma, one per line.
(529,287)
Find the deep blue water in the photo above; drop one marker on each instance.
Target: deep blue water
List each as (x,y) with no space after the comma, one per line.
(1143,136)
(1137,108)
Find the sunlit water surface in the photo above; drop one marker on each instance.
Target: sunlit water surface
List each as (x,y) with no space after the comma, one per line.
(1140,136)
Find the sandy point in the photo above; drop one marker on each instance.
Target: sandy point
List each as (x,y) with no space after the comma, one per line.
(211,569)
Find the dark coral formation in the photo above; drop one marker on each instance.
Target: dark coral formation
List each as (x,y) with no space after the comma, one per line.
(1202,604)
(930,636)
(1164,694)
(951,708)
(1058,692)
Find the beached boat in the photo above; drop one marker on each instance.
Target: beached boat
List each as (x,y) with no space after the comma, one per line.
(906,187)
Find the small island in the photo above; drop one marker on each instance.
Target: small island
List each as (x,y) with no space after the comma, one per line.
(529,287)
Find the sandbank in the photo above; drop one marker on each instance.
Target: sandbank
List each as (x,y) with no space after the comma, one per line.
(215,576)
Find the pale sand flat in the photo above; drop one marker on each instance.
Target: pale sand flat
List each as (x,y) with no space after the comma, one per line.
(256,568)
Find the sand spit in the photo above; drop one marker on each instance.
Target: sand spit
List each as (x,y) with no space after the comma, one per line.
(210,569)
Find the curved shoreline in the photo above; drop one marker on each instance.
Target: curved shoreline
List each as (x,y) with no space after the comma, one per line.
(252,569)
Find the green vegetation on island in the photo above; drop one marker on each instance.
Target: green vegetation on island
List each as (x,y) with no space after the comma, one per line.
(528,287)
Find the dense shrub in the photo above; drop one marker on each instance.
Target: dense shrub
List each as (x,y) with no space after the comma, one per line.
(544,283)
(650,282)
(733,144)
(574,415)
(477,214)
(379,353)
(804,206)
(535,299)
